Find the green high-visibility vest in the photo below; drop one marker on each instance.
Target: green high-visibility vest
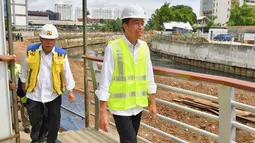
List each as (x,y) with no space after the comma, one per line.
(129,85)
(16,71)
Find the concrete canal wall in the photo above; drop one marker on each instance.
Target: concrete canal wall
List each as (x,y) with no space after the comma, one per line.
(236,59)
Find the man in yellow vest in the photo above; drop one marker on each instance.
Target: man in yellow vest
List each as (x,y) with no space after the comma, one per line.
(127,78)
(45,74)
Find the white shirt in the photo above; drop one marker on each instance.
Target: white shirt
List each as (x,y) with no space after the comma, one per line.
(43,91)
(106,77)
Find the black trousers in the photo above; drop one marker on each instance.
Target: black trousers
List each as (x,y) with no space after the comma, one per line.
(45,119)
(127,127)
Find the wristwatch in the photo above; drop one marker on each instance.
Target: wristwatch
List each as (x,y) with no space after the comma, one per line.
(70,90)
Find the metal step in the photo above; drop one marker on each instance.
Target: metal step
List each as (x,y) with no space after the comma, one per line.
(87,136)
(66,138)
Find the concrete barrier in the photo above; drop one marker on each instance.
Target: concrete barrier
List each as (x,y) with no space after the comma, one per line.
(237,59)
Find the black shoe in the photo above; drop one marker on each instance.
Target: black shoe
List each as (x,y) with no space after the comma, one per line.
(27,130)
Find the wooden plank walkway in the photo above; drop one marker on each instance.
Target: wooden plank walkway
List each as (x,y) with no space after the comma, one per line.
(87,135)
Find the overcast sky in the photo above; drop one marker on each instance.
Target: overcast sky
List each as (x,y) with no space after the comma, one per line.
(149,5)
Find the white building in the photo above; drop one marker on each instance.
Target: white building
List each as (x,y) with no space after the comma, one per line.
(218,8)
(102,14)
(77,13)
(19,13)
(65,10)
(221,9)
(117,14)
(248,2)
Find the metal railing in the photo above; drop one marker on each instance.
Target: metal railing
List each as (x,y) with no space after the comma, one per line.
(227,104)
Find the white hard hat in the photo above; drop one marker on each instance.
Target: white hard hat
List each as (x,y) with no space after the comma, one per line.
(133,11)
(49,31)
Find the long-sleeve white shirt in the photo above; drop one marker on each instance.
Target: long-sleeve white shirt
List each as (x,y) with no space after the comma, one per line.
(43,91)
(106,77)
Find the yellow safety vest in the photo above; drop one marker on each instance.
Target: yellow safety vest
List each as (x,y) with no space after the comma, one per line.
(33,60)
(129,85)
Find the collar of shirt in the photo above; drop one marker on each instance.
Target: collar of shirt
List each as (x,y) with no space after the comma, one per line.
(52,51)
(129,43)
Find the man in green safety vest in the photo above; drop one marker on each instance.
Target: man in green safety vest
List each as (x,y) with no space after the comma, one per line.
(127,78)
(22,99)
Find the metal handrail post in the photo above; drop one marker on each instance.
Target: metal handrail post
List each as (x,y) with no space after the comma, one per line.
(227,114)
(11,52)
(86,96)
(93,66)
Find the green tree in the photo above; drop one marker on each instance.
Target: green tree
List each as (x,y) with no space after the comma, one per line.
(184,14)
(113,26)
(242,16)
(211,22)
(117,25)
(101,20)
(165,13)
(149,25)
(107,28)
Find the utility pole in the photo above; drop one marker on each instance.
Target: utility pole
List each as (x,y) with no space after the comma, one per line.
(11,52)
(86,96)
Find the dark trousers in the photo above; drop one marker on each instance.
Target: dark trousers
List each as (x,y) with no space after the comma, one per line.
(127,127)
(45,119)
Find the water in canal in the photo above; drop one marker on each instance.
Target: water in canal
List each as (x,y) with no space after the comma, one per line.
(159,60)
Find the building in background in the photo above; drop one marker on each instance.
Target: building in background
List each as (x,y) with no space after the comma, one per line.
(53,15)
(206,8)
(5,11)
(65,10)
(19,13)
(90,20)
(77,13)
(248,2)
(220,9)
(102,14)
(117,13)
(38,15)
(43,15)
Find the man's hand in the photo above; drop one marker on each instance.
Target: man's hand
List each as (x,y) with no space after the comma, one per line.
(71,97)
(12,86)
(103,120)
(8,58)
(19,105)
(153,106)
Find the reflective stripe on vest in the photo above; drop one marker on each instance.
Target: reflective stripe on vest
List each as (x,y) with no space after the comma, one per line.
(128,86)
(127,78)
(33,60)
(129,94)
